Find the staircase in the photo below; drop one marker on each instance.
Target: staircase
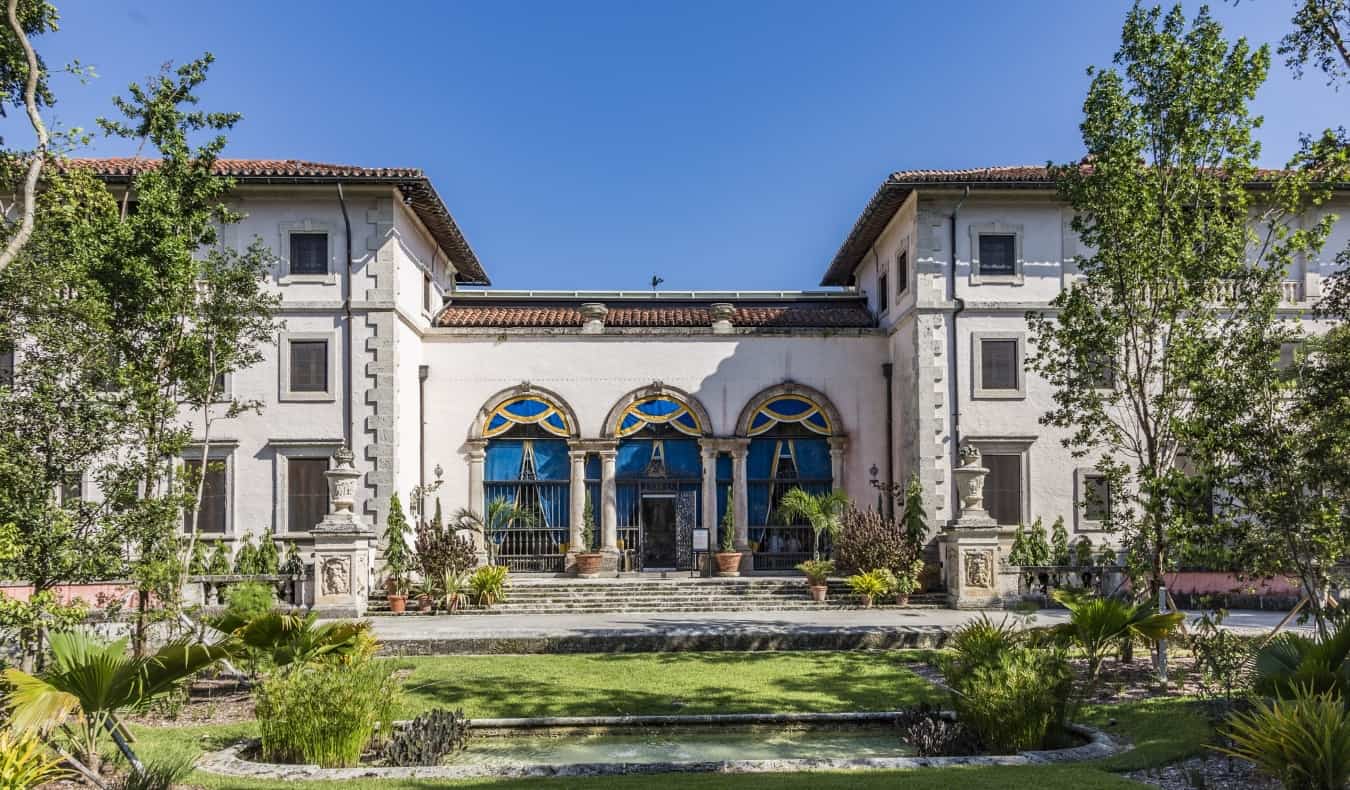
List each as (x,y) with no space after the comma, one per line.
(675,592)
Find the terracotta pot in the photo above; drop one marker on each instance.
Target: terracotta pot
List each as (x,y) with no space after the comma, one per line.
(901,599)
(867,601)
(818,592)
(398,604)
(728,563)
(588,565)
(424,603)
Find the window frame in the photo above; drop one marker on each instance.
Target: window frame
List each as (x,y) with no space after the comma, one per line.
(287,229)
(286,394)
(1011,445)
(902,271)
(996,229)
(9,362)
(978,390)
(1081,521)
(883,291)
(284,450)
(222,451)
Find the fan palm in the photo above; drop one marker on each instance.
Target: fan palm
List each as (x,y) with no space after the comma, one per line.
(282,638)
(502,513)
(89,682)
(824,512)
(1097,623)
(1292,661)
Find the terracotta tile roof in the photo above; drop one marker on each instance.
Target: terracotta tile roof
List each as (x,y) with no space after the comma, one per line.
(831,314)
(420,195)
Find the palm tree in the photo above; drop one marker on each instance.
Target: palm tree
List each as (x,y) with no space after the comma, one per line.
(88,683)
(502,513)
(824,512)
(284,638)
(1097,623)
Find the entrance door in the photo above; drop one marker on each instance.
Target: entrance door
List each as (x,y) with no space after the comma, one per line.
(658,532)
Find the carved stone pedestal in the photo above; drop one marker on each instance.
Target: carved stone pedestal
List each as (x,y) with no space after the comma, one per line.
(971,554)
(342,543)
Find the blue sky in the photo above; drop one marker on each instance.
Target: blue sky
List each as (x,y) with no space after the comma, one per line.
(590,145)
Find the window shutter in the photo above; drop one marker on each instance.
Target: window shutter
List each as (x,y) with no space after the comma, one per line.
(309,253)
(902,272)
(1003,488)
(309,365)
(998,365)
(213,508)
(306,493)
(998,253)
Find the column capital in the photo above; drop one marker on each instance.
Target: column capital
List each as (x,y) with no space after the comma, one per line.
(576,456)
(838,443)
(592,445)
(475,449)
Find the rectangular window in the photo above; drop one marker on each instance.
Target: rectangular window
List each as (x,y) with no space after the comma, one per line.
(6,367)
(1096,498)
(309,253)
(998,254)
(309,365)
(883,293)
(999,364)
(428,293)
(1101,371)
(901,272)
(306,493)
(70,491)
(214,501)
(1003,488)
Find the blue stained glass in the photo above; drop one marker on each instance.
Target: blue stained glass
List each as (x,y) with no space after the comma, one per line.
(556,421)
(818,420)
(496,422)
(527,408)
(687,419)
(658,408)
(629,421)
(790,406)
(759,419)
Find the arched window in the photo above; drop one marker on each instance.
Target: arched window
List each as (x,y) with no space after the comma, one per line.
(789,448)
(526,483)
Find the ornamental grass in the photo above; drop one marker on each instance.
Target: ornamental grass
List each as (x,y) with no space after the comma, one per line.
(325,714)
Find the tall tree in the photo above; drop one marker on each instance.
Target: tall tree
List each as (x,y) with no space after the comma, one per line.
(23,82)
(1172,261)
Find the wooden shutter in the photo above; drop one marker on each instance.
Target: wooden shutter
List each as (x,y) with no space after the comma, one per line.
(998,253)
(902,272)
(998,365)
(1003,488)
(309,365)
(309,253)
(213,509)
(306,493)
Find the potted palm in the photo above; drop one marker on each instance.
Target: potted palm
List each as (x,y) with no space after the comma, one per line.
(907,582)
(870,585)
(454,589)
(817,574)
(728,559)
(502,514)
(824,512)
(589,560)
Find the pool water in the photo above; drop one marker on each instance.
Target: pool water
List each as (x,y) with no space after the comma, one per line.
(682,746)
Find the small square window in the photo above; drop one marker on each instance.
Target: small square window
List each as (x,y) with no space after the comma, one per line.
(309,365)
(1101,371)
(306,493)
(214,505)
(1096,498)
(309,253)
(901,272)
(998,254)
(883,293)
(999,365)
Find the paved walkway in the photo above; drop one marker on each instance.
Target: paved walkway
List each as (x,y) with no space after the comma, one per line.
(499,633)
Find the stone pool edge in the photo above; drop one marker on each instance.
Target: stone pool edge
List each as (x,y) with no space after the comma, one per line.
(227,762)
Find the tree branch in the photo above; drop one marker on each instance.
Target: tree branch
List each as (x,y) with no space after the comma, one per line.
(39,153)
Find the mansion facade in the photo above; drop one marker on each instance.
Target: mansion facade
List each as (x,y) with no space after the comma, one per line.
(658,414)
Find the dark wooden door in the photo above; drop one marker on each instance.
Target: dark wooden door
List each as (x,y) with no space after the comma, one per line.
(658,532)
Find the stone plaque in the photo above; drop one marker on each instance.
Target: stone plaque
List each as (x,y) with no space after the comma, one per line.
(980,569)
(336,575)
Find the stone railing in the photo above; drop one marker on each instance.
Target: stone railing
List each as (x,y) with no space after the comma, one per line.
(1291,292)
(1038,582)
(210,590)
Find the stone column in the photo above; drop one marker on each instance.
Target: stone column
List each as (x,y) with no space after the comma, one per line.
(342,543)
(609,498)
(740,492)
(709,515)
(577,506)
(477,453)
(838,444)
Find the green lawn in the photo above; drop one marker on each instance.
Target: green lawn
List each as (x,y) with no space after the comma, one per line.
(1163,730)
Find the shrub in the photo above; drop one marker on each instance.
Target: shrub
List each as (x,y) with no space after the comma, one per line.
(1011,701)
(428,739)
(978,641)
(1059,543)
(278,639)
(869,540)
(440,551)
(488,584)
(932,734)
(452,590)
(397,558)
(1082,552)
(1304,741)
(294,565)
(199,561)
(907,580)
(220,560)
(26,762)
(1223,658)
(1029,545)
(159,774)
(1096,624)
(324,714)
(247,600)
(1292,661)
(872,584)
(817,572)
(269,560)
(246,558)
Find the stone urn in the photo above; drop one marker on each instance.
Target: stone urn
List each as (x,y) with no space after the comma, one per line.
(588,564)
(728,563)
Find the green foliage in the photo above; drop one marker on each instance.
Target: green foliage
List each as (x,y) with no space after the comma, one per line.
(1223,658)
(247,600)
(817,572)
(198,562)
(88,683)
(440,550)
(824,512)
(25,762)
(454,589)
(1097,623)
(294,565)
(428,739)
(501,515)
(220,560)
(246,562)
(161,774)
(488,584)
(1059,543)
(914,522)
(398,560)
(325,714)
(1030,547)
(870,540)
(1291,662)
(587,525)
(978,641)
(22,622)
(871,584)
(907,580)
(1011,698)
(269,560)
(1082,552)
(1304,741)
(279,639)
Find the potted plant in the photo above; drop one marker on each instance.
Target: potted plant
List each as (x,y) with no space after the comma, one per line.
(426,595)
(869,585)
(907,582)
(454,587)
(728,559)
(588,561)
(817,574)
(398,594)
(488,584)
(397,558)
